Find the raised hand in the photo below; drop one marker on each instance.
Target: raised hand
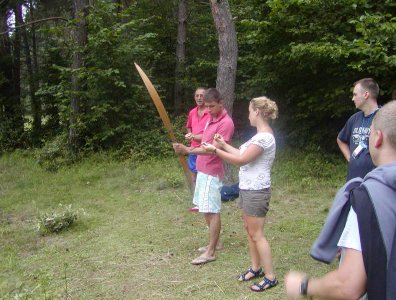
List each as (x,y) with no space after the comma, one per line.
(209,148)
(218,138)
(180,148)
(189,136)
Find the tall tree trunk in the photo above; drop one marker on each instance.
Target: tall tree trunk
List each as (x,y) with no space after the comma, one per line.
(35,105)
(11,112)
(80,35)
(16,106)
(180,55)
(5,67)
(11,107)
(226,70)
(37,109)
(34,42)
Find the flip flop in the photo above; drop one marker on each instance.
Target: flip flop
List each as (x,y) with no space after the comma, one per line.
(200,260)
(204,248)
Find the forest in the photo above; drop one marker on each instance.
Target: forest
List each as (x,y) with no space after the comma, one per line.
(92,201)
(68,84)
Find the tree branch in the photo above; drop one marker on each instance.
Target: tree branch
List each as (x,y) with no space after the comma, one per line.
(33,22)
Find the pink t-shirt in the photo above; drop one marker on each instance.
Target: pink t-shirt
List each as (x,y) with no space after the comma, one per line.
(196,123)
(212,164)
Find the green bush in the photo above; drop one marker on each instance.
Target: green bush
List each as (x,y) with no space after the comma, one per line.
(61,218)
(179,126)
(153,143)
(55,154)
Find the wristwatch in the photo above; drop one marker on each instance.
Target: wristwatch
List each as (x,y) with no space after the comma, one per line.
(304,286)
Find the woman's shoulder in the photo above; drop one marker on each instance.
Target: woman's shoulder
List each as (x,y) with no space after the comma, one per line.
(263,136)
(263,139)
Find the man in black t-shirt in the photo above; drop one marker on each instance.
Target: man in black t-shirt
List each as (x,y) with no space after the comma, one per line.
(353,138)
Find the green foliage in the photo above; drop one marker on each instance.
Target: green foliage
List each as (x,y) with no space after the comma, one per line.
(147,144)
(55,154)
(11,133)
(179,127)
(113,98)
(202,52)
(60,219)
(307,54)
(152,143)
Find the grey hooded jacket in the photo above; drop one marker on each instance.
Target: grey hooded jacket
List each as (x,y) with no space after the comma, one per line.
(374,200)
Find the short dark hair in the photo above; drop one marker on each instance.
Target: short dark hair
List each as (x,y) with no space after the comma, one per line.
(370,85)
(212,94)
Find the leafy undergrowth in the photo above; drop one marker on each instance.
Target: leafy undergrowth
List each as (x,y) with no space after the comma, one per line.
(136,237)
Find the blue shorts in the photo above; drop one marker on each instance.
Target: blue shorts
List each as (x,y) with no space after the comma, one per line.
(192,160)
(207,193)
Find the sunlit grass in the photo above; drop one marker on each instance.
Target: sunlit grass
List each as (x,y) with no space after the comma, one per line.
(136,238)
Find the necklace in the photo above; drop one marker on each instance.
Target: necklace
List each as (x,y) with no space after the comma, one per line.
(366,121)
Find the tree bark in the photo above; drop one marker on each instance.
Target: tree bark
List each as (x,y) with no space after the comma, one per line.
(80,36)
(35,103)
(11,112)
(180,55)
(34,42)
(226,70)
(227,41)
(6,67)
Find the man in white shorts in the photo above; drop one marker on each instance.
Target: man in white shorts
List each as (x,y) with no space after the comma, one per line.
(210,171)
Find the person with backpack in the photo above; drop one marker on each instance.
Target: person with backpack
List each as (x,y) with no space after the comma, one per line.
(362,221)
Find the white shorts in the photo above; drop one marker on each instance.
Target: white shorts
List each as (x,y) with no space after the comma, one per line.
(207,193)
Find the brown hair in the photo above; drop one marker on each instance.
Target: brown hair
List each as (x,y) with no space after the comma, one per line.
(212,94)
(370,85)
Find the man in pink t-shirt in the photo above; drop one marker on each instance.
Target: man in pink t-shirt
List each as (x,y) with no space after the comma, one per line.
(210,171)
(196,122)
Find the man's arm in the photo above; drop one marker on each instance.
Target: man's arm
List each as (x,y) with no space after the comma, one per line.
(182,149)
(347,282)
(344,147)
(196,137)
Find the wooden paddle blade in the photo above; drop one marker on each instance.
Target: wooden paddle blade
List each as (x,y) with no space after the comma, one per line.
(158,103)
(166,121)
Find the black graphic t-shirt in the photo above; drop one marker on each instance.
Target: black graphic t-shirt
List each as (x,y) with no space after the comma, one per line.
(356,134)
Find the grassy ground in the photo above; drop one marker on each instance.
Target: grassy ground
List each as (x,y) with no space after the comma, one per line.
(134,238)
